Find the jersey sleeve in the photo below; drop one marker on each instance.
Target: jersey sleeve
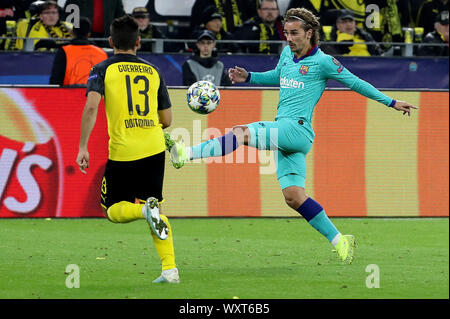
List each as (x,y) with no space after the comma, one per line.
(96,80)
(331,68)
(271,77)
(163,95)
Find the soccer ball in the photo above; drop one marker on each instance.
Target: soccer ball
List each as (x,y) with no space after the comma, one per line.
(203,97)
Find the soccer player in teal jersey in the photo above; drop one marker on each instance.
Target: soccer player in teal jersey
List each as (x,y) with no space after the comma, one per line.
(302,73)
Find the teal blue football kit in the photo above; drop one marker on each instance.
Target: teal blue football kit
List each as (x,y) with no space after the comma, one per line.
(302,82)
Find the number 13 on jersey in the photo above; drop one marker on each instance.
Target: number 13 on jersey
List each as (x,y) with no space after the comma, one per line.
(138,79)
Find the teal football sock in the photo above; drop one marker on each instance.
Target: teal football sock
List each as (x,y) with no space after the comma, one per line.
(316,217)
(324,226)
(219,146)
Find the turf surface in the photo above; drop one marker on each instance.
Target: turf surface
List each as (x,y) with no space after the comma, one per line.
(224,258)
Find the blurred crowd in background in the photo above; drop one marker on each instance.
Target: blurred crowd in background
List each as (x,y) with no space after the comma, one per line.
(349,27)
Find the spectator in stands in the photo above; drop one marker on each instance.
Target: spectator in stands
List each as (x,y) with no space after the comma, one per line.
(212,21)
(6,13)
(390,28)
(267,26)
(233,12)
(439,35)
(100,12)
(346,30)
(146,30)
(204,64)
(73,61)
(11,11)
(428,12)
(326,10)
(47,24)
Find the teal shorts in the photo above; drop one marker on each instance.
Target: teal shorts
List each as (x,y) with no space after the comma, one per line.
(287,138)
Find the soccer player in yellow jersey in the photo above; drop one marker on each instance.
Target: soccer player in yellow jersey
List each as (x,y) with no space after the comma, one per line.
(137,109)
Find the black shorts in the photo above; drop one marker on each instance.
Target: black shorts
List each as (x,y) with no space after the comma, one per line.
(128,181)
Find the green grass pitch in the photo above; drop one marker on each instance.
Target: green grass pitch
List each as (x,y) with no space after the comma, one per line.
(224,258)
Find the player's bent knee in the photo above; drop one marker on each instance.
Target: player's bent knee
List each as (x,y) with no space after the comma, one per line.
(242,134)
(292,202)
(294,196)
(290,199)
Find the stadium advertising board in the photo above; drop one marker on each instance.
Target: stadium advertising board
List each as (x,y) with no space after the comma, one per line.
(366,159)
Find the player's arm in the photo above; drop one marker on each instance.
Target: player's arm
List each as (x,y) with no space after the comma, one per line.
(164,104)
(88,120)
(240,75)
(333,69)
(95,90)
(165,117)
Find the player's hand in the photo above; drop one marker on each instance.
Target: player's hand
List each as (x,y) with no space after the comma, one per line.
(404,107)
(237,74)
(83,160)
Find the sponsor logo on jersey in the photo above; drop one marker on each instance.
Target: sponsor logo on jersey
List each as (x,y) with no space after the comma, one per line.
(286,83)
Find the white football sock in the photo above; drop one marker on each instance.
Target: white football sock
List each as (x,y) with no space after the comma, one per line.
(336,239)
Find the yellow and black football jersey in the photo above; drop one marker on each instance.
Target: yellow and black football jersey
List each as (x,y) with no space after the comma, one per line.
(134,91)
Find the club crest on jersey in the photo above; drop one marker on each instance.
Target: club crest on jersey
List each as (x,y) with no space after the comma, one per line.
(304,69)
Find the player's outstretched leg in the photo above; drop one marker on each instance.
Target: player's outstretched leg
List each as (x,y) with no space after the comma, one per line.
(220,146)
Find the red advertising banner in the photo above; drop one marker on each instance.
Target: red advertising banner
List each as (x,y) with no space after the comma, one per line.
(379,163)
(39,136)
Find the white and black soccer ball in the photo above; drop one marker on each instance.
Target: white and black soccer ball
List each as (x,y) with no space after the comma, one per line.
(203,97)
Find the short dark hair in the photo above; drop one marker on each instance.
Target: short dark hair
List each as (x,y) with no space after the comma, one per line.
(124,32)
(47,5)
(83,30)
